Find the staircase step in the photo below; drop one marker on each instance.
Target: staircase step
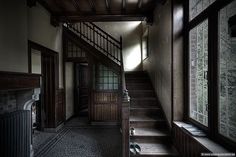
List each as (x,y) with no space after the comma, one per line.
(150,135)
(137,80)
(141,93)
(144,102)
(146,111)
(150,132)
(136,74)
(139,86)
(156,150)
(145,121)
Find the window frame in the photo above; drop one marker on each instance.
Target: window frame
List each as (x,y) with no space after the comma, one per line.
(212,130)
(145,36)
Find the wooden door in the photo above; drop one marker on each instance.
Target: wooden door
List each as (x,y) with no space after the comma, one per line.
(50,85)
(81,89)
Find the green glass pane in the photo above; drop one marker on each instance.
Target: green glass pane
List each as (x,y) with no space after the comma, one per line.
(115,86)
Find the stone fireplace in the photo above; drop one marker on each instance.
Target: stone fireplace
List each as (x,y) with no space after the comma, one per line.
(18,92)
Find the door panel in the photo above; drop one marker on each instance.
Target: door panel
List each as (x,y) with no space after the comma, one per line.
(82,86)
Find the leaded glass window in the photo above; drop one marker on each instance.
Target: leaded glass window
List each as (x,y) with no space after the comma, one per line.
(198,48)
(227,73)
(74,51)
(106,79)
(197,6)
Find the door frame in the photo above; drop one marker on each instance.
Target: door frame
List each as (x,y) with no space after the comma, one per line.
(45,52)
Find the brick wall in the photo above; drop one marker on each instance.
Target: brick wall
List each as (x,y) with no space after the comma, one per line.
(7,102)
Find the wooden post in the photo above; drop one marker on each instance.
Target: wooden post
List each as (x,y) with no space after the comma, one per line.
(125,124)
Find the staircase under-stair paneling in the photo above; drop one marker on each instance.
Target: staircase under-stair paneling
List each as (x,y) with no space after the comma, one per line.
(147,118)
(84,41)
(94,37)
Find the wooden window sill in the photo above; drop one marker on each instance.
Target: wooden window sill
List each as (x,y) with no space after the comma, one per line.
(210,145)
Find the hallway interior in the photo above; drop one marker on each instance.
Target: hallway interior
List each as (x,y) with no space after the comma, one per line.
(117,78)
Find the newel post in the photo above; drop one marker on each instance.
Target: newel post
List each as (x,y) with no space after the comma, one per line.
(125,124)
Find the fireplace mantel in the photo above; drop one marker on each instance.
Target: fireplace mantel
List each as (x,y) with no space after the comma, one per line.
(18,81)
(18,91)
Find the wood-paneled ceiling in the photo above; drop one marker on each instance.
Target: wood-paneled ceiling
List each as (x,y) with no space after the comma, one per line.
(100,10)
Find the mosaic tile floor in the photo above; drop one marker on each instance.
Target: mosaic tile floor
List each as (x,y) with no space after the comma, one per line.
(80,141)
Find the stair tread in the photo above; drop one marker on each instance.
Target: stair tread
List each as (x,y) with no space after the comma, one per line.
(145,107)
(157,149)
(145,118)
(144,98)
(140,90)
(150,132)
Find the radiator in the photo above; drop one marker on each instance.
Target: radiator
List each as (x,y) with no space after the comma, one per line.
(15,132)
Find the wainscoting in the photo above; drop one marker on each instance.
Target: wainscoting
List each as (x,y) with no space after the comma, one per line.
(192,146)
(105,106)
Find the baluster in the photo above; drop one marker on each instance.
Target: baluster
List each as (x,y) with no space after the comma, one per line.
(83,30)
(80,29)
(111,48)
(107,43)
(97,39)
(100,41)
(104,44)
(116,55)
(93,37)
(87,33)
(90,33)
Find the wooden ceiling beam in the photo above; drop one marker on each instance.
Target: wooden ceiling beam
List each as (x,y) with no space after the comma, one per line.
(92,5)
(101,18)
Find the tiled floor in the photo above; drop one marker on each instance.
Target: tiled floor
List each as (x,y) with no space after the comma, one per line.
(79,141)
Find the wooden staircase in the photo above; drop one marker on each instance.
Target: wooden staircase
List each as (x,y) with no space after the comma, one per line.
(147,118)
(95,42)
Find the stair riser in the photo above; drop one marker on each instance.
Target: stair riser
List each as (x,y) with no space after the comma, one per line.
(151,139)
(140,94)
(147,112)
(143,103)
(136,80)
(139,86)
(148,124)
(136,75)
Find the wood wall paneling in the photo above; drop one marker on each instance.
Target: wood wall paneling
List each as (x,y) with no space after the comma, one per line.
(14,81)
(185,144)
(105,106)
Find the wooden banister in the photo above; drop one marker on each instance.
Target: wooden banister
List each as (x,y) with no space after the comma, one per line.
(98,38)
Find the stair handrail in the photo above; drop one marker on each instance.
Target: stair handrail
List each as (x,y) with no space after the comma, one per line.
(97,38)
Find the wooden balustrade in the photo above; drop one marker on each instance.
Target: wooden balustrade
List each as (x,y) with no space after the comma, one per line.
(99,39)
